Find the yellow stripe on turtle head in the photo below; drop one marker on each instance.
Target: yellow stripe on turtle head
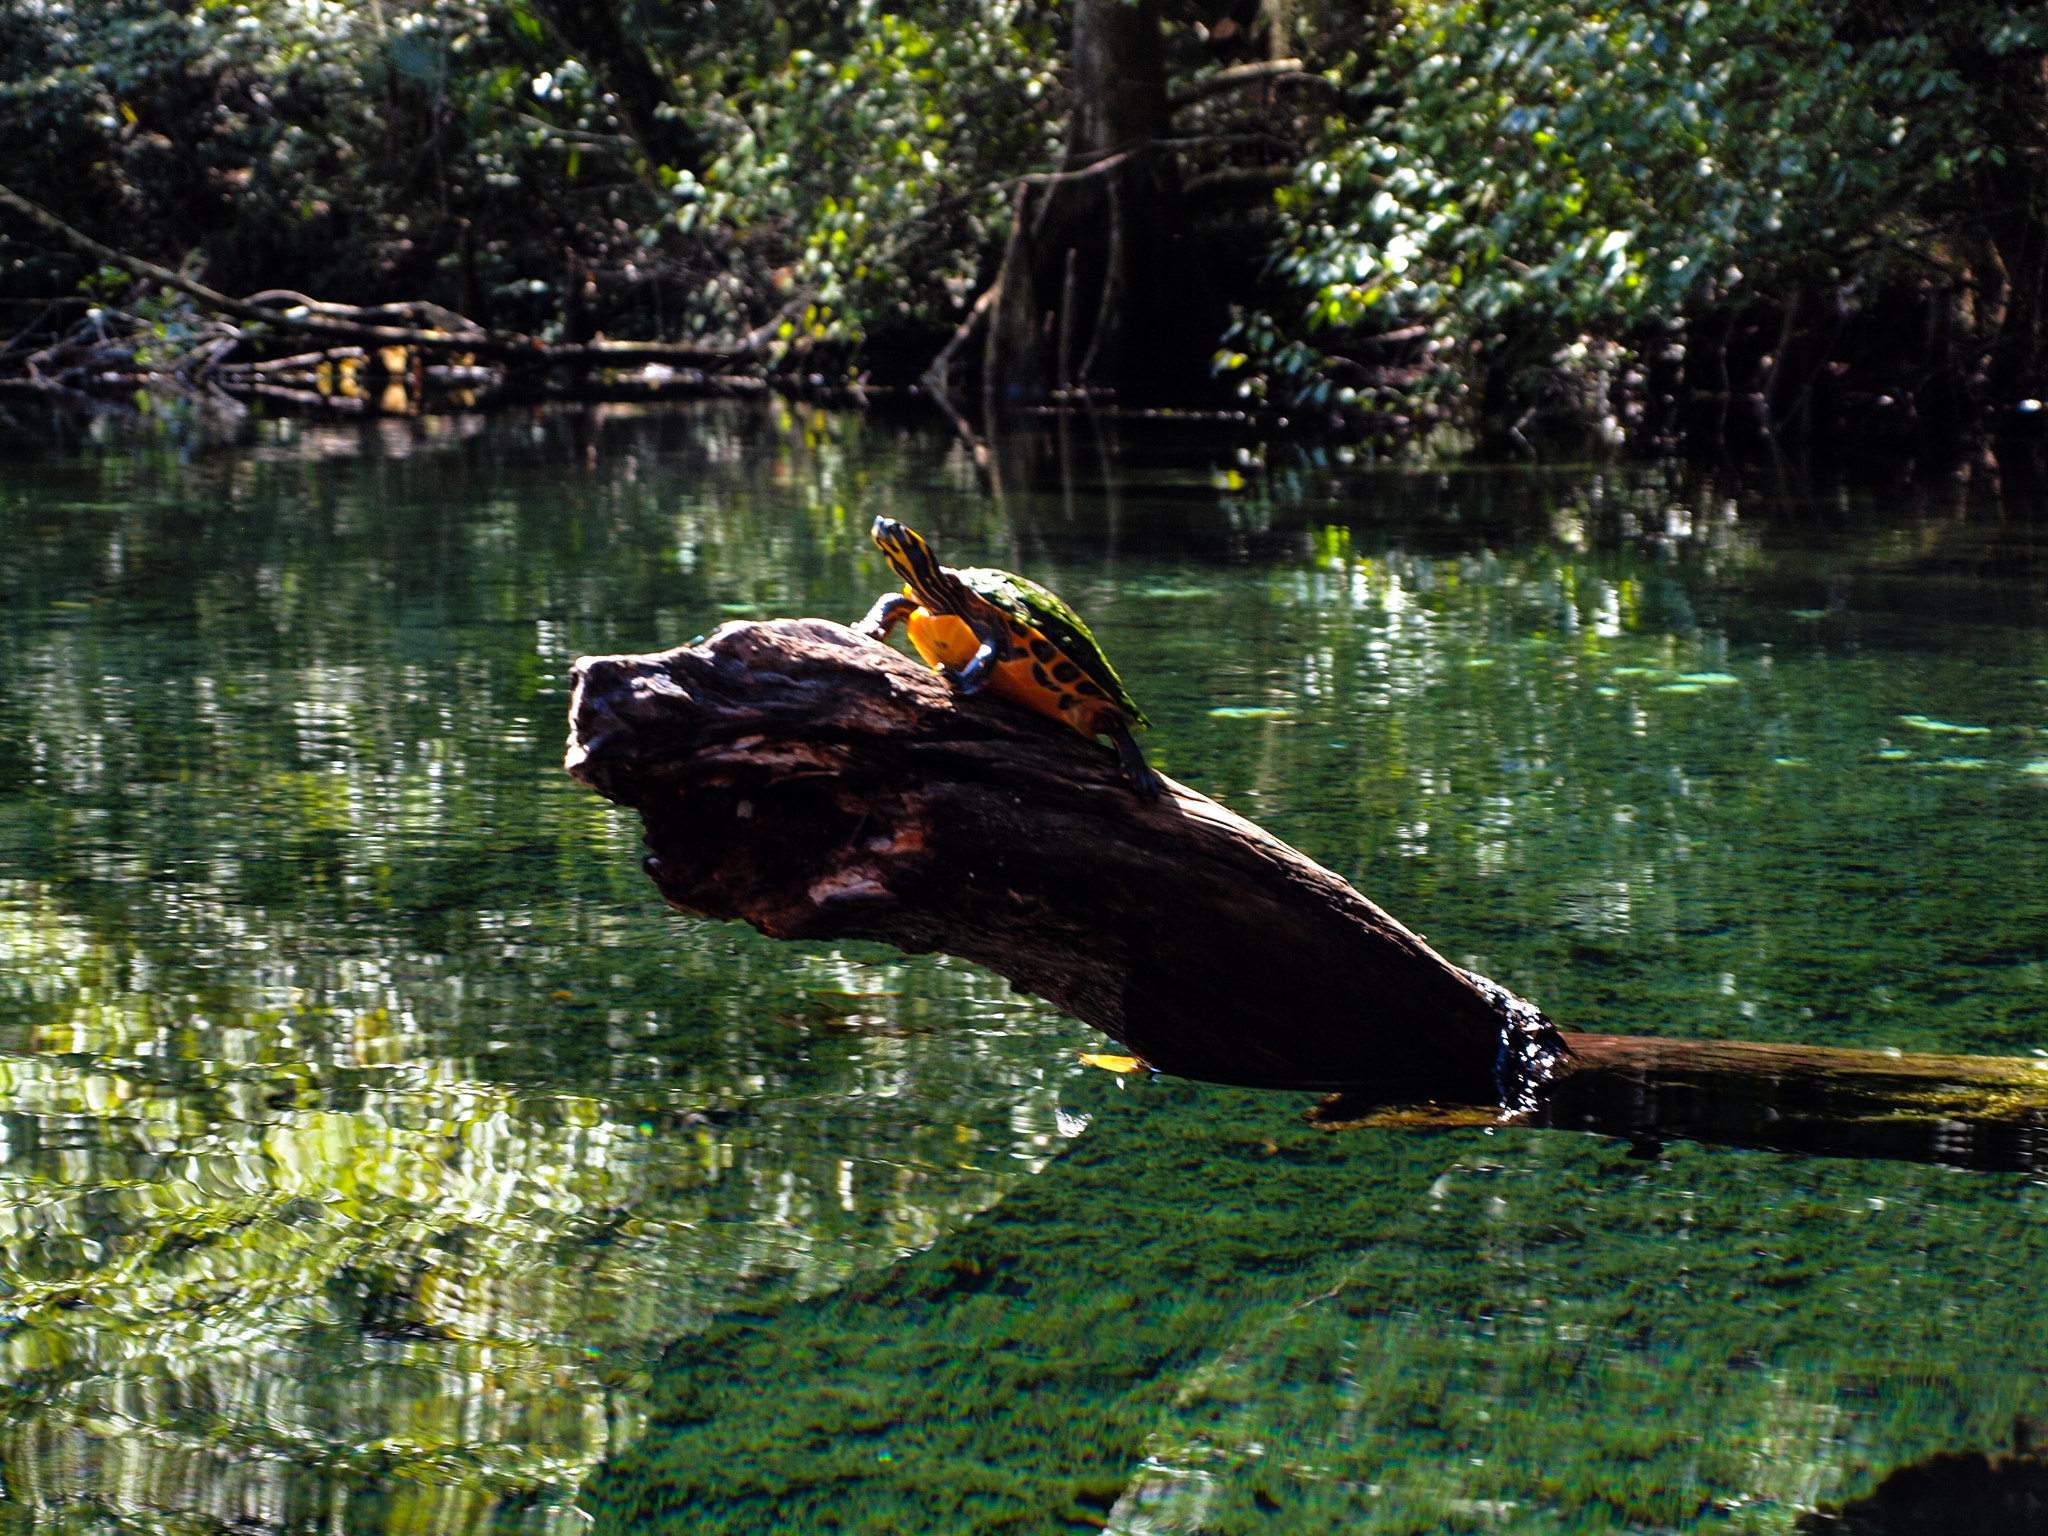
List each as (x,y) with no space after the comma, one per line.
(912,559)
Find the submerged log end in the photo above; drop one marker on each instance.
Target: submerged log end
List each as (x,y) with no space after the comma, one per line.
(820,785)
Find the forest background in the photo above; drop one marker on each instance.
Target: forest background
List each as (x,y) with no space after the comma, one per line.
(1510,222)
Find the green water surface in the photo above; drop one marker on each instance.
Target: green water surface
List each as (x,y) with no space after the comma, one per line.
(378,1155)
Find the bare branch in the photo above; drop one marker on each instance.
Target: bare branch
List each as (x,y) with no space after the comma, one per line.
(1236,78)
(821,786)
(1238,181)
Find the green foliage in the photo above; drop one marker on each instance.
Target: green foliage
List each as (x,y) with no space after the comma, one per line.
(1495,184)
(1537,170)
(447,149)
(332,145)
(867,165)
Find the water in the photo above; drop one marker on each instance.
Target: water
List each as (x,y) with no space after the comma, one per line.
(370,1133)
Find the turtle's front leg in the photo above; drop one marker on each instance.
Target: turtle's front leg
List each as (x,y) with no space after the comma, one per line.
(890,609)
(995,647)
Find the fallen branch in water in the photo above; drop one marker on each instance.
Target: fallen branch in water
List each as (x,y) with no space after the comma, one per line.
(443,331)
(1968,1111)
(818,785)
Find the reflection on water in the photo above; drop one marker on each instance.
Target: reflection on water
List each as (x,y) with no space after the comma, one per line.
(368,1132)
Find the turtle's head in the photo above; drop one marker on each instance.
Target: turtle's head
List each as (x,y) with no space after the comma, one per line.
(912,559)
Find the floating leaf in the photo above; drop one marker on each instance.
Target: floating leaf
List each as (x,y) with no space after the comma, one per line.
(1711,679)
(1607,693)
(1482,661)
(1682,688)
(1808,613)
(2040,767)
(1789,762)
(1637,671)
(1964,762)
(1922,723)
(1118,1064)
(1895,755)
(1245,712)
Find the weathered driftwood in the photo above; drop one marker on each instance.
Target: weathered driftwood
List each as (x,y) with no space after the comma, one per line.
(822,786)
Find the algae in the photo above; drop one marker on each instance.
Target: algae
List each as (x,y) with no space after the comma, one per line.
(1208,1317)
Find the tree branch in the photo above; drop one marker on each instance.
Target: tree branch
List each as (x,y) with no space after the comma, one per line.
(1237,181)
(819,785)
(1236,78)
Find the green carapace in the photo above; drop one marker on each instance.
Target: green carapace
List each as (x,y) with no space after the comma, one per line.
(987,628)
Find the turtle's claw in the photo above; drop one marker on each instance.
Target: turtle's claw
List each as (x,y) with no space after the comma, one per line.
(890,609)
(962,682)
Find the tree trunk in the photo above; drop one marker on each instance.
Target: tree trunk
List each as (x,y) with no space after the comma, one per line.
(1139,311)
(817,785)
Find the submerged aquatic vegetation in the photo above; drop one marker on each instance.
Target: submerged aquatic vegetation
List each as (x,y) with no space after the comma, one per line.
(1251,1320)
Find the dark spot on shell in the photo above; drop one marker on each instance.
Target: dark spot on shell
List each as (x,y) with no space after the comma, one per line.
(1092,691)
(1043,650)
(1066,671)
(1038,676)
(1018,629)
(1068,701)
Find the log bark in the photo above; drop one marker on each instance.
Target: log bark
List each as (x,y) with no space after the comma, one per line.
(818,785)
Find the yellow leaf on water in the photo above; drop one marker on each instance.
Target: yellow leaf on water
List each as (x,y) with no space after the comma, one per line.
(1112,1063)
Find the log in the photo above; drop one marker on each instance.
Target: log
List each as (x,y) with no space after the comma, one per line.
(819,785)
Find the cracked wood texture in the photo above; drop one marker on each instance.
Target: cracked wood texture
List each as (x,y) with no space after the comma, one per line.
(819,785)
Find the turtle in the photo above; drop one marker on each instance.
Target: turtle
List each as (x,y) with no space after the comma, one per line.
(987,628)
